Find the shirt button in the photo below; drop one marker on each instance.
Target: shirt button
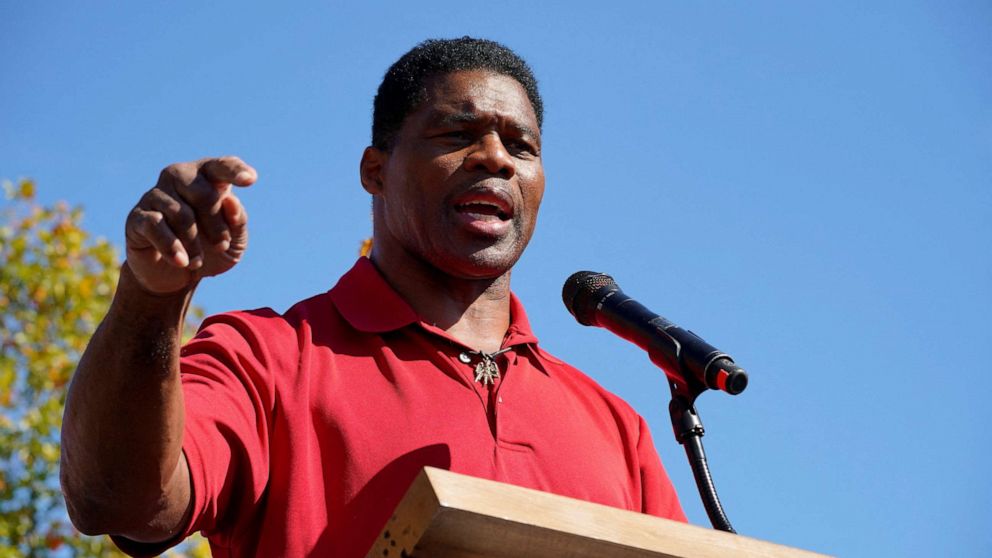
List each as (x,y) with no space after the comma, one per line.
(464,358)
(499,399)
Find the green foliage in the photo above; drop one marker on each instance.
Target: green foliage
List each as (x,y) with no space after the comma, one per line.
(56,284)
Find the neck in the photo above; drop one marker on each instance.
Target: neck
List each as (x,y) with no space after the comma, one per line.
(476,312)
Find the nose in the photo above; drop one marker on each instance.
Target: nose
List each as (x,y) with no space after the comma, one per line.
(490,155)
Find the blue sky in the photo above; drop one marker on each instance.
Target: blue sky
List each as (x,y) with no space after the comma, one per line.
(806,185)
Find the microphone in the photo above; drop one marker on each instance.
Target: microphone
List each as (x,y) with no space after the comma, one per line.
(688,361)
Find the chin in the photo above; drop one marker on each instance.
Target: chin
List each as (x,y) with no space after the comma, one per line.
(488,263)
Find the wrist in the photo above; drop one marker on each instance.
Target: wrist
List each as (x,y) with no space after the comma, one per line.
(141,305)
(130,282)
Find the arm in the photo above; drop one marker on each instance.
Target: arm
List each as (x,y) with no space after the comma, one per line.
(123,471)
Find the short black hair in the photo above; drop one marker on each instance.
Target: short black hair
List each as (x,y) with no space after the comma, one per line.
(403,87)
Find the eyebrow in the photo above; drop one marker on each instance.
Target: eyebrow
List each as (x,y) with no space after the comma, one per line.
(449,118)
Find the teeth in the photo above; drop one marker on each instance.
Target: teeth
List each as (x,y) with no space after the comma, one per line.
(488,208)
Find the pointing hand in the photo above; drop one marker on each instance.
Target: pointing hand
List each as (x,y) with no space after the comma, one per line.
(190,225)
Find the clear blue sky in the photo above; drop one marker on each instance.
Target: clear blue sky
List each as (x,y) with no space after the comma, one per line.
(807,185)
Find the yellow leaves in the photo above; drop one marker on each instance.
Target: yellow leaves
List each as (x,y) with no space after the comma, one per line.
(19,338)
(49,452)
(7,377)
(86,287)
(27,190)
(56,282)
(23,190)
(18,244)
(39,294)
(196,547)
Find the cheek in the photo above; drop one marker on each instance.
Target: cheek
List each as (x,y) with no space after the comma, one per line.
(538,195)
(431,179)
(534,192)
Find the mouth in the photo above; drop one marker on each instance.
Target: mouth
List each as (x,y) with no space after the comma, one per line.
(485,205)
(482,211)
(485,212)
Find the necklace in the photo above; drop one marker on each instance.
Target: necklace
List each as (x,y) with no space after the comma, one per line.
(486,370)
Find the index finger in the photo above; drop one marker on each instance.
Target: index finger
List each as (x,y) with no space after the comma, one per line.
(228,170)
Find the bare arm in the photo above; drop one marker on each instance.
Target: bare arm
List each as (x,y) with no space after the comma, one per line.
(123,471)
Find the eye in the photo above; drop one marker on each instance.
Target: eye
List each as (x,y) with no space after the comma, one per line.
(454,137)
(520,147)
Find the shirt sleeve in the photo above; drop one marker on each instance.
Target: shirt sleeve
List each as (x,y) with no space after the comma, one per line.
(227,373)
(658,496)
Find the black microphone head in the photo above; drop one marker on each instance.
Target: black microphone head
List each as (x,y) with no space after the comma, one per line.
(583,290)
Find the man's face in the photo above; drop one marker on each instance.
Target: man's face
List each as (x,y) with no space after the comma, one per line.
(461,187)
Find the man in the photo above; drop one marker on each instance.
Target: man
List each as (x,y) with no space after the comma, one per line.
(296,434)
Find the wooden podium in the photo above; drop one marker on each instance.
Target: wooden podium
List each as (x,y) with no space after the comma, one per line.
(447,515)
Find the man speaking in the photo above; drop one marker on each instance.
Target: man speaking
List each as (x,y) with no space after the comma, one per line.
(296,434)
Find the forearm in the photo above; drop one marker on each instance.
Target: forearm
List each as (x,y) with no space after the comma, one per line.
(123,470)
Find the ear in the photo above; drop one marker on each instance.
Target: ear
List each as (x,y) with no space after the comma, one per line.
(371,169)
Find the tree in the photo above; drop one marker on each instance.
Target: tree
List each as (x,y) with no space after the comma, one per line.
(56,283)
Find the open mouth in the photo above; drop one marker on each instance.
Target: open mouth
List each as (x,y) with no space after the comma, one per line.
(483,210)
(485,204)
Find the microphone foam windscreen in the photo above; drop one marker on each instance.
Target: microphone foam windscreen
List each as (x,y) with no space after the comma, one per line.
(578,294)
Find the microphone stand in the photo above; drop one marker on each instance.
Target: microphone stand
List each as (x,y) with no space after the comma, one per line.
(689,431)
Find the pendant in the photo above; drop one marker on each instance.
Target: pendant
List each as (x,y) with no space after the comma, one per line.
(486,371)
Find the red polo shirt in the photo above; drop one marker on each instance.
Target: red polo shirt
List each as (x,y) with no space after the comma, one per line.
(303,430)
